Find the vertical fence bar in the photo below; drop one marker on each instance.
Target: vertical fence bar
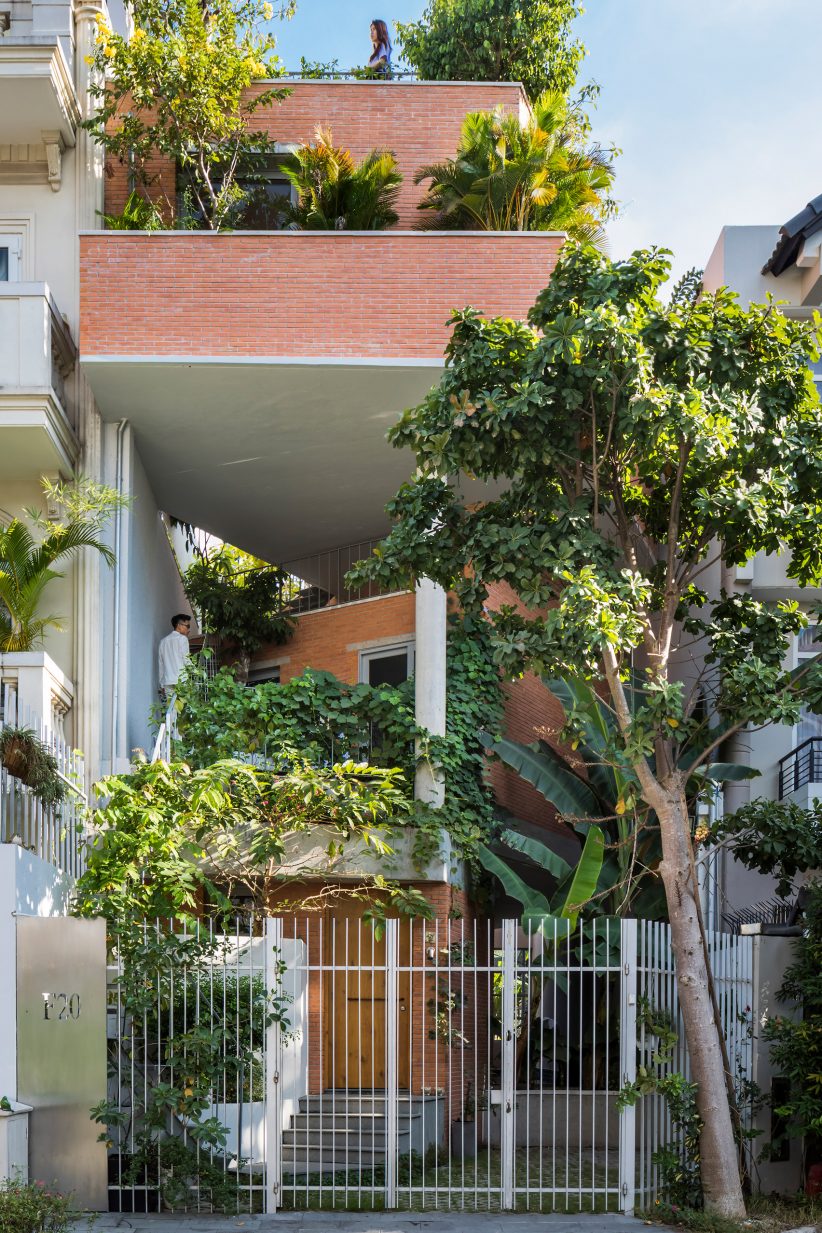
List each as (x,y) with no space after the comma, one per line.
(273,1070)
(509,1059)
(392,940)
(627,1062)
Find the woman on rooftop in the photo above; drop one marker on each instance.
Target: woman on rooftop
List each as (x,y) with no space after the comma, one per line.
(380,61)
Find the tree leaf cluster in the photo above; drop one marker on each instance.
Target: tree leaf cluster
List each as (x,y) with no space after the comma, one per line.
(246,608)
(496,40)
(779,838)
(181,87)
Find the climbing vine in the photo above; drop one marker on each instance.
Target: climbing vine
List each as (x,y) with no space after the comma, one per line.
(330,720)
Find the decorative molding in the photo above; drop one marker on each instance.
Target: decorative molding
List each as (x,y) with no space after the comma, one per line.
(54,147)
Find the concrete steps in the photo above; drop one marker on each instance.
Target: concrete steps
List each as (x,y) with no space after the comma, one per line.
(346,1131)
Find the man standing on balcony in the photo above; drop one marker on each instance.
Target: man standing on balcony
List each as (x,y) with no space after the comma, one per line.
(172,654)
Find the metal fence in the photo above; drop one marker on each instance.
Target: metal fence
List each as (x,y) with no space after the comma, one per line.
(188,1015)
(801,766)
(421,1066)
(54,832)
(655,987)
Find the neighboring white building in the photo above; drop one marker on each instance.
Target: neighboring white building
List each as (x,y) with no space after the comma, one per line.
(784,263)
(92,685)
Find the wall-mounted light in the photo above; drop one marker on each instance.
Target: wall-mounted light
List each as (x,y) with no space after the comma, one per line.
(5,20)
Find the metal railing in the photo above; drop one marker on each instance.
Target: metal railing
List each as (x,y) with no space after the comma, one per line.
(353,74)
(318,581)
(801,766)
(56,833)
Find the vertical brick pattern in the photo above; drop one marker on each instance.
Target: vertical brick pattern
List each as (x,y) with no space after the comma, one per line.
(382,295)
(419,122)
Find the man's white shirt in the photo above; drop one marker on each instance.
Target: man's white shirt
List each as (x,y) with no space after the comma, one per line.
(172,655)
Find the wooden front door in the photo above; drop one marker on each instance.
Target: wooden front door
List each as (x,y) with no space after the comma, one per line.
(355,1004)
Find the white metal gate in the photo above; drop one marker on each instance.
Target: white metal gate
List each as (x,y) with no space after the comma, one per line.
(432,1065)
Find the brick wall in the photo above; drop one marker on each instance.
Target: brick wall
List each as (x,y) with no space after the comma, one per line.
(531,710)
(419,122)
(332,638)
(299,293)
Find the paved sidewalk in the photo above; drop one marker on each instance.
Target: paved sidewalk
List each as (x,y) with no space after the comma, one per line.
(376,1222)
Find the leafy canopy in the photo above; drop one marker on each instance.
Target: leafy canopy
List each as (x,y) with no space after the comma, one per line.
(513,174)
(169,834)
(242,603)
(181,87)
(636,444)
(496,40)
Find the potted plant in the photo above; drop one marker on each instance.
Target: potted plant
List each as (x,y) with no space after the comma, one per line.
(463,1128)
(25,757)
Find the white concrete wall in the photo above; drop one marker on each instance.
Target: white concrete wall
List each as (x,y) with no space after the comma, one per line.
(28,887)
(737,261)
(148,593)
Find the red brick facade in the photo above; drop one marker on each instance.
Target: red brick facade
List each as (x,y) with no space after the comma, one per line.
(332,638)
(302,294)
(419,121)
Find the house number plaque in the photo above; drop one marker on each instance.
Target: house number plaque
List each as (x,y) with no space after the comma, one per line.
(61,1006)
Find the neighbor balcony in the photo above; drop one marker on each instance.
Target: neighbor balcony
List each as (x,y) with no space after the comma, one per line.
(37,359)
(800,773)
(262,370)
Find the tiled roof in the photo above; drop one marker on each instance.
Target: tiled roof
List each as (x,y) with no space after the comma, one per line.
(792,235)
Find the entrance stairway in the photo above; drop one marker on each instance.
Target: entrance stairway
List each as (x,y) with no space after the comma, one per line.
(344,1131)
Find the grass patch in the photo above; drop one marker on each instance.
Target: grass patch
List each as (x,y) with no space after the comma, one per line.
(765,1215)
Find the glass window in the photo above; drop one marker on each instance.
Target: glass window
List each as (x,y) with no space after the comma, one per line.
(388,665)
(4,263)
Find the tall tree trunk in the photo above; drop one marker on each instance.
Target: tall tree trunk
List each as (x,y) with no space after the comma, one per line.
(719,1156)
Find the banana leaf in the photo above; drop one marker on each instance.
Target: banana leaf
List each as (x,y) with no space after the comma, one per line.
(542,768)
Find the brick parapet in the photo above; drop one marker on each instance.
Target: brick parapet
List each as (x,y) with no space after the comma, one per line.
(383,296)
(419,121)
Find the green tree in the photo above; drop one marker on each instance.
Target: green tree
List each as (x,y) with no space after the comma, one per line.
(496,40)
(336,194)
(181,87)
(240,599)
(511,174)
(29,550)
(169,835)
(635,446)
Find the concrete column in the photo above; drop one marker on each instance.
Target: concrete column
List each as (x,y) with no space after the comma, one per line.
(90,156)
(430,682)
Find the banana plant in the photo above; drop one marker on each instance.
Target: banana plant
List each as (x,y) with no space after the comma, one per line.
(594,797)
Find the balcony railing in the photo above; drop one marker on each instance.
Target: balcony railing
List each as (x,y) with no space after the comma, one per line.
(36,348)
(54,833)
(318,581)
(801,766)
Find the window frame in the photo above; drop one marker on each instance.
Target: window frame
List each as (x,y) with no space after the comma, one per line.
(385,652)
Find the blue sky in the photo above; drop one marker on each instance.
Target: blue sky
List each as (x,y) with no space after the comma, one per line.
(715,105)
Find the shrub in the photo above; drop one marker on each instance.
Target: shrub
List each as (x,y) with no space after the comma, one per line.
(31,1207)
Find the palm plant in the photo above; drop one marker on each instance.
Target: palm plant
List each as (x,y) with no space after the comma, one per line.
(510,175)
(26,561)
(336,194)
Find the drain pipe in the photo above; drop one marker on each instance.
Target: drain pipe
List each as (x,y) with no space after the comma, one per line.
(118,535)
